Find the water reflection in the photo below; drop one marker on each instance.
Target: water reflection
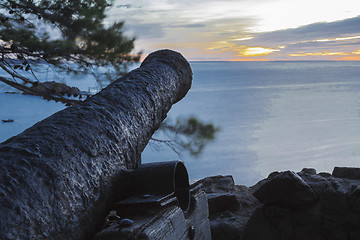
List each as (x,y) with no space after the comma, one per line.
(313,126)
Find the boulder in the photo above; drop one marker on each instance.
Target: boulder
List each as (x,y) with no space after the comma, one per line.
(311,171)
(222,202)
(346,172)
(227,226)
(218,184)
(230,206)
(286,190)
(307,205)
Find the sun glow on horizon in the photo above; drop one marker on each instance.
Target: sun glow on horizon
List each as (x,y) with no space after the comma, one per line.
(348,58)
(256,51)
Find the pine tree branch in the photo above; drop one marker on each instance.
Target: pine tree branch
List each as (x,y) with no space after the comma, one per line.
(13,73)
(170,143)
(30,91)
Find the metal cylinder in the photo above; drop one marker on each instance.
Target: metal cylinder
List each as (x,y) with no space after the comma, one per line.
(56,178)
(162,179)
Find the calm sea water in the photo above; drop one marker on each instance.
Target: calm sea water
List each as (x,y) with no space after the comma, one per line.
(272,115)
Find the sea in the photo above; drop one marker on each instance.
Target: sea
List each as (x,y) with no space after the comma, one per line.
(273,116)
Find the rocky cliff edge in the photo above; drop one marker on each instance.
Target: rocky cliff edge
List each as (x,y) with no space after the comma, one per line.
(286,205)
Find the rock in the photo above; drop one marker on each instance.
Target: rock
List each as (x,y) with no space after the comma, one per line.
(222,202)
(301,206)
(259,227)
(230,206)
(346,172)
(228,227)
(218,184)
(309,170)
(354,235)
(334,212)
(273,174)
(325,174)
(286,190)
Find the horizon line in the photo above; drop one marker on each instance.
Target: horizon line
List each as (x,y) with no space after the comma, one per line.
(273,60)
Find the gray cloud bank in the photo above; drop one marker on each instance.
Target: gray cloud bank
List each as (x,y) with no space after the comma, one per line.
(321,30)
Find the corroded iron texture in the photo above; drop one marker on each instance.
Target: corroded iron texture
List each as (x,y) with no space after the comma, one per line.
(56,177)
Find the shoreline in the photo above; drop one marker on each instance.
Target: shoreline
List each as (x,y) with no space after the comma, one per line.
(286,205)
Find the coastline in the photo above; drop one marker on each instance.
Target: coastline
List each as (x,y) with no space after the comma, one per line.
(286,205)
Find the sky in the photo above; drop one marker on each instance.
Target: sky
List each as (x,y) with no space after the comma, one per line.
(244,30)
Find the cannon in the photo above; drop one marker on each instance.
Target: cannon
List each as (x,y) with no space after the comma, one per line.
(156,201)
(57,177)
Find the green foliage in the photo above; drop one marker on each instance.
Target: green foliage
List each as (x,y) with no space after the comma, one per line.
(188,134)
(67,34)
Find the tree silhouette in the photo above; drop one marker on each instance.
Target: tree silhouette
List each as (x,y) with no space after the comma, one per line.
(69,35)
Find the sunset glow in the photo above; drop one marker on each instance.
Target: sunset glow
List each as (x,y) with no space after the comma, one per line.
(244,30)
(256,51)
(352,58)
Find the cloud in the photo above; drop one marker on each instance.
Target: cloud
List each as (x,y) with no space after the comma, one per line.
(324,39)
(144,30)
(226,29)
(195,25)
(182,25)
(325,53)
(310,32)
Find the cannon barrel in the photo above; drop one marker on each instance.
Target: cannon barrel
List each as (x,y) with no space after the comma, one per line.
(56,177)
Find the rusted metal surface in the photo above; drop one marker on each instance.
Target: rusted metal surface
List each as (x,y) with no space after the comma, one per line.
(56,177)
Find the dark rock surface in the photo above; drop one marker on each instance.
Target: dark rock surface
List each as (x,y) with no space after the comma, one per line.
(346,172)
(230,206)
(56,177)
(307,205)
(286,189)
